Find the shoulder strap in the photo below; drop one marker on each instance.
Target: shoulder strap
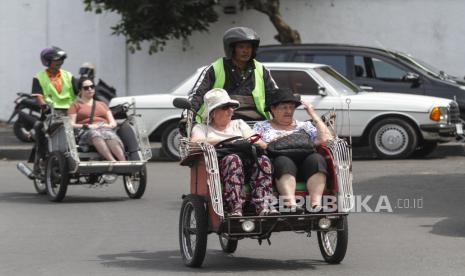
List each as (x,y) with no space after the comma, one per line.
(91,121)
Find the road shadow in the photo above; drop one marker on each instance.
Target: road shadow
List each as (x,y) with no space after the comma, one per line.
(34,198)
(438,196)
(441,152)
(215,261)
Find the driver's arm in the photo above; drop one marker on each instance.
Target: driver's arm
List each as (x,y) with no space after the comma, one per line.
(37,92)
(204,84)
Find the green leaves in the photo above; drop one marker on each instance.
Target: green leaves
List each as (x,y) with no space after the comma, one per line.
(156,21)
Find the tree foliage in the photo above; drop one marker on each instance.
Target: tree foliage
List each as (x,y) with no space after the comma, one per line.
(158,21)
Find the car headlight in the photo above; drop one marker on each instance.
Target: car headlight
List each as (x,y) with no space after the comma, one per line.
(439,114)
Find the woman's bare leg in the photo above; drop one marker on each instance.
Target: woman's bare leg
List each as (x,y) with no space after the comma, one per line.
(286,187)
(316,186)
(102,149)
(116,149)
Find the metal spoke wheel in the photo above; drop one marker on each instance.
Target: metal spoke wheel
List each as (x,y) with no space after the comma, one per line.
(40,186)
(170,141)
(228,245)
(193,230)
(333,244)
(135,184)
(393,138)
(39,179)
(56,176)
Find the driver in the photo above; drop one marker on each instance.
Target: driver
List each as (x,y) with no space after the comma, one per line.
(245,79)
(54,86)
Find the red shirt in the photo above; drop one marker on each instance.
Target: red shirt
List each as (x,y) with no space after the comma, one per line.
(83,111)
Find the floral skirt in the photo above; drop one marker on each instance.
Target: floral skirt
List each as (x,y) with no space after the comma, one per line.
(103,133)
(233,177)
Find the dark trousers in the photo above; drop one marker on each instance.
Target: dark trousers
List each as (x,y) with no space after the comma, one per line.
(301,169)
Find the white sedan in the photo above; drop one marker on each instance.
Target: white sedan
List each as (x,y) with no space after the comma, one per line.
(394,125)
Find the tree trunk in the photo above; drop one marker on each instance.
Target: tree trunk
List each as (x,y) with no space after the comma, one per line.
(286,35)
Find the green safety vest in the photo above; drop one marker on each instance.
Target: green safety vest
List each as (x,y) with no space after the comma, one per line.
(258,92)
(51,96)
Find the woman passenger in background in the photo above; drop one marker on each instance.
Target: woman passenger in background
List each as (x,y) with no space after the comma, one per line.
(101,132)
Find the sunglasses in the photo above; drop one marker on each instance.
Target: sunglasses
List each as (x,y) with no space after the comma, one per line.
(88,87)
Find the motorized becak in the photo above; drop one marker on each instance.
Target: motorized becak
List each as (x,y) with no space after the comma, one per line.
(67,163)
(202,211)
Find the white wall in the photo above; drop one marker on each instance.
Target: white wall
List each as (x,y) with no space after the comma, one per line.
(430,30)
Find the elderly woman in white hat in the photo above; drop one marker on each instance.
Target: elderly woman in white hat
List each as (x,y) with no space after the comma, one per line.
(218,127)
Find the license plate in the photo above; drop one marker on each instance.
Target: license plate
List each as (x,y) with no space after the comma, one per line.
(459,128)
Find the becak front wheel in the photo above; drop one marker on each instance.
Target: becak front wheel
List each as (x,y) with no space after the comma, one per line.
(333,244)
(228,245)
(135,184)
(193,230)
(56,176)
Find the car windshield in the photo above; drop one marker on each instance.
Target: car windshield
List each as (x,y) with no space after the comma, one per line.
(186,86)
(336,80)
(431,70)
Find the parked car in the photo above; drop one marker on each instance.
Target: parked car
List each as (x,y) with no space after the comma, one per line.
(395,125)
(373,69)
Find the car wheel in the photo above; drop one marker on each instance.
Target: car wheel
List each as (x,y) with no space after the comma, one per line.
(393,138)
(425,149)
(333,244)
(170,141)
(193,230)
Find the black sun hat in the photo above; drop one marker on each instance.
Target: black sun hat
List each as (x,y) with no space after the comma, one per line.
(281,95)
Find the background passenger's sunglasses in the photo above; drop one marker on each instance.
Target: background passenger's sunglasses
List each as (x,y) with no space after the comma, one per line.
(88,87)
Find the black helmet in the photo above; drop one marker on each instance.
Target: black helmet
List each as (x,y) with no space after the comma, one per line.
(87,70)
(239,34)
(52,53)
(282,95)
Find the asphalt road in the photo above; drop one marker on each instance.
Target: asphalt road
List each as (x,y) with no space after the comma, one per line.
(99,231)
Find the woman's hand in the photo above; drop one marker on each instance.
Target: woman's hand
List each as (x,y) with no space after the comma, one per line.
(261,144)
(309,108)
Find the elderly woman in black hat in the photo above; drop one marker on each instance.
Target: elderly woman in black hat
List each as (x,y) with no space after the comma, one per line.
(219,108)
(312,169)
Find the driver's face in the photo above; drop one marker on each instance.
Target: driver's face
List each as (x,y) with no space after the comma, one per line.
(56,64)
(242,51)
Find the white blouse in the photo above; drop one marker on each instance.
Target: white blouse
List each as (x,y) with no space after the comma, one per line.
(235,128)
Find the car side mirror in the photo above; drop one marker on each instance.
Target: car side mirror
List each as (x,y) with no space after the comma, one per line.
(322,91)
(412,77)
(182,103)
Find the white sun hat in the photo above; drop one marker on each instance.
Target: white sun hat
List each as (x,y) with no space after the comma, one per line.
(215,98)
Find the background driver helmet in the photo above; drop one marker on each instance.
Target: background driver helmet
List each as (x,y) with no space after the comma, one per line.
(52,53)
(239,34)
(87,70)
